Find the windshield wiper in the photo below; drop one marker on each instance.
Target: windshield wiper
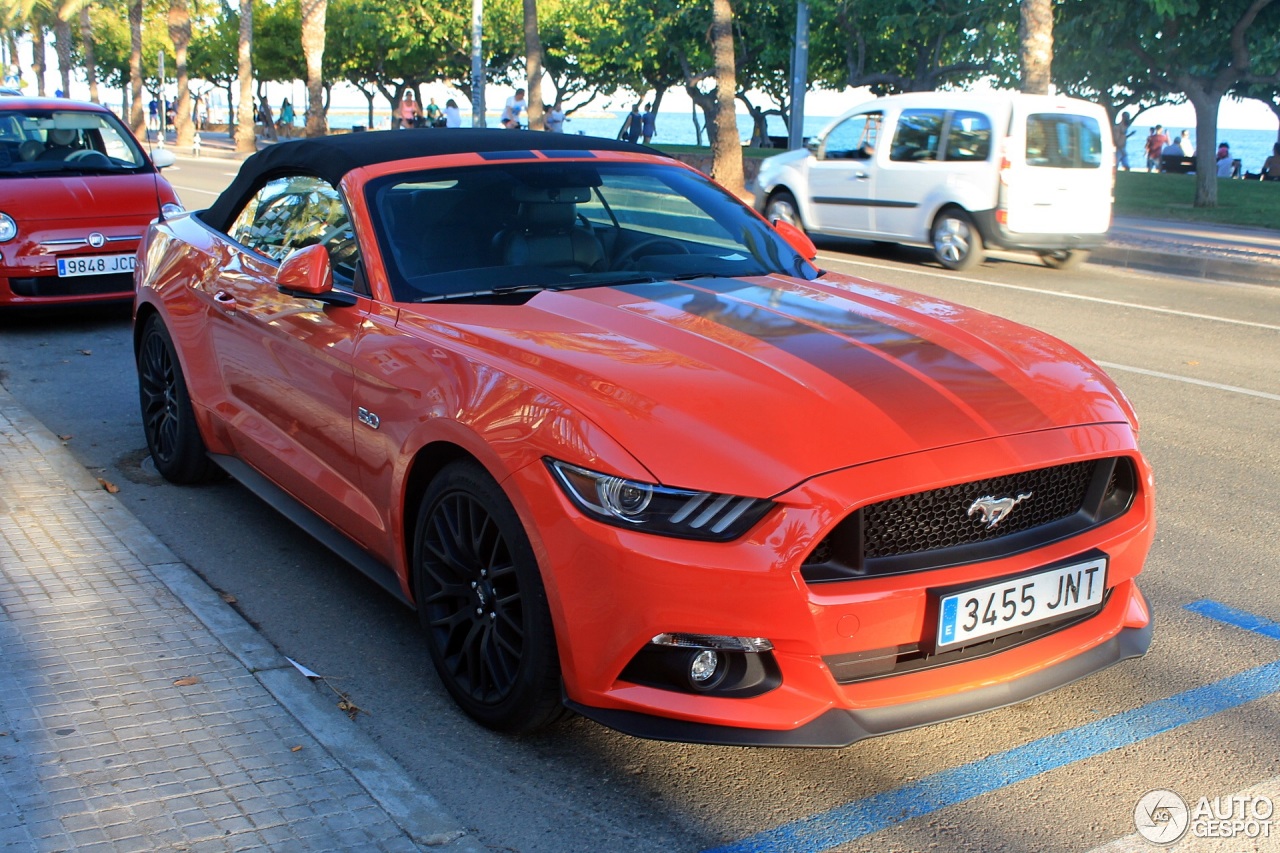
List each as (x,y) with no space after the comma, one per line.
(492,291)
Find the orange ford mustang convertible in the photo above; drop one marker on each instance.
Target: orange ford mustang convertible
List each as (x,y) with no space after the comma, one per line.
(628,452)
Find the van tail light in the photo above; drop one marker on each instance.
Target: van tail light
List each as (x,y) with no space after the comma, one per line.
(1005,166)
(1002,216)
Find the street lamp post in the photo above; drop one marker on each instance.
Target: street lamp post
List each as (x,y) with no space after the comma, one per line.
(477,63)
(799,76)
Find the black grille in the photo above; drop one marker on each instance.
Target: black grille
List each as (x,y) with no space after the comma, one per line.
(946,526)
(927,521)
(82,285)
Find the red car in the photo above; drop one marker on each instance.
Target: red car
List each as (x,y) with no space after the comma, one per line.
(76,194)
(629,452)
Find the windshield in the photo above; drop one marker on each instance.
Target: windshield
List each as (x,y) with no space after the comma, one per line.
(43,141)
(522,227)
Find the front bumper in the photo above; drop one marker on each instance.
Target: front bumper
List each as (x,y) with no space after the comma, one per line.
(611,591)
(840,727)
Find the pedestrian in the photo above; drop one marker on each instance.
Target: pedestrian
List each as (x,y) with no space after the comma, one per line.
(286,117)
(1156,141)
(409,111)
(267,120)
(1226,166)
(434,115)
(1121,136)
(648,123)
(631,130)
(452,115)
(153,114)
(555,117)
(514,108)
(1188,147)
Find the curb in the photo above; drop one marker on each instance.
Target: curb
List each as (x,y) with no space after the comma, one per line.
(1187,266)
(415,811)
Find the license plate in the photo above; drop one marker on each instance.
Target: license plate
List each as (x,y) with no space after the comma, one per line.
(95,265)
(1004,606)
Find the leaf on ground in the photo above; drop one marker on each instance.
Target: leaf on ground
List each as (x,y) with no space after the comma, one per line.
(1193,363)
(187,681)
(228,597)
(85,351)
(295,748)
(111,487)
(350,708)
(65,437)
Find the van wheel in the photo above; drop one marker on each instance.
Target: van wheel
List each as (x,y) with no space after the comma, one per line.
(956,242)
(782,205)
(1064,259)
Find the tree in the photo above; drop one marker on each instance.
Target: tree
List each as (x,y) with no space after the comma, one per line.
(180,35)
(726,146)
(137,118)
(533,63)
(246,143)
(1035,35)
(313,38)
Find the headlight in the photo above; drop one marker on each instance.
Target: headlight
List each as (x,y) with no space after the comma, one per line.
(170,208)
(8,228)
(657,509)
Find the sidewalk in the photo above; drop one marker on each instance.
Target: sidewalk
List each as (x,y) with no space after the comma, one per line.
(140,712)
(1188,249)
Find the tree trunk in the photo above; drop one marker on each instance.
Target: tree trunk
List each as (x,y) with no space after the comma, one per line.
(533,64)
(90,58)
(1035,32)
(1206,106)
(245,141)
(137,110)
(62,43)
(180,35)
(37,56)
(726,146)
(313,17)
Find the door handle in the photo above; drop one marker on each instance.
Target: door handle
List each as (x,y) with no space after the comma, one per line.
(861,176)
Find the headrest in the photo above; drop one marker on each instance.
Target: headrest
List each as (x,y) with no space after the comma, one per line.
(551,195)
(544,216)
(30,150)
(62,137)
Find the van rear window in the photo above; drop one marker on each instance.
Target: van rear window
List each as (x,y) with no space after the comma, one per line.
(1059,141)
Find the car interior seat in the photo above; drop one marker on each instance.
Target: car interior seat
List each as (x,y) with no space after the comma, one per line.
(58,143)
(547,233)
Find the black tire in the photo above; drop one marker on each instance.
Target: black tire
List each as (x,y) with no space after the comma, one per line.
(957,245)
(782,205)
(173,437)
(1064,259)
(482,603)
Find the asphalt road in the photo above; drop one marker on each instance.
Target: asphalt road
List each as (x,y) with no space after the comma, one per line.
(1062,772)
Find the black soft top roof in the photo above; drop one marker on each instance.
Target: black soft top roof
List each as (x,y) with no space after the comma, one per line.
(331,157)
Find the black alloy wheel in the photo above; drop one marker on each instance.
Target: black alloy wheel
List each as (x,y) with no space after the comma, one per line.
(481,600)
(173,437)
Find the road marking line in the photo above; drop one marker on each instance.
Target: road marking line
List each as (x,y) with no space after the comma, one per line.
(949,787)
(1077,296)
(196,190)
(1235,389)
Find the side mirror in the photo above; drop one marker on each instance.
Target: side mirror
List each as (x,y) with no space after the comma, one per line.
(307,274)
(796,239)
(163,158)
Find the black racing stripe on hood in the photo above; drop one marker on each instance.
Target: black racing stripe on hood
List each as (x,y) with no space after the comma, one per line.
(853,349)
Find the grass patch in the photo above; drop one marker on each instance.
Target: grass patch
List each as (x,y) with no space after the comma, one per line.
(1254,204)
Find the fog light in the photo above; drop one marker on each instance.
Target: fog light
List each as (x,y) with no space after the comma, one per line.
(703,666)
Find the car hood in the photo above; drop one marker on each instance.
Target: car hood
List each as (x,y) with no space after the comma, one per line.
(67,197)
(753,385)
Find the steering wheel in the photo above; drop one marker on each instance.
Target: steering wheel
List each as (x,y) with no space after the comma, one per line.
(630,252)
(88,157)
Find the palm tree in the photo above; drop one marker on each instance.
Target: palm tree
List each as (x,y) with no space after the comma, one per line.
(137,115)
(180,35)
(726,146)
(313,17)
(90,58)
(245,142)
(533,63)
(1035,32)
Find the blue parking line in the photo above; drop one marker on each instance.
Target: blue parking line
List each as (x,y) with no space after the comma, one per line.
(958,784)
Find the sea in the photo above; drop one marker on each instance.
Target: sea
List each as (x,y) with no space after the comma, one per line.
(1251,147)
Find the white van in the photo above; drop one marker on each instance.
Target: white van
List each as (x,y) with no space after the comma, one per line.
(954,171)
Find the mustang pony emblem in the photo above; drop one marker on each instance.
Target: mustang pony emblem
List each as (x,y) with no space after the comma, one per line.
(995,509)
